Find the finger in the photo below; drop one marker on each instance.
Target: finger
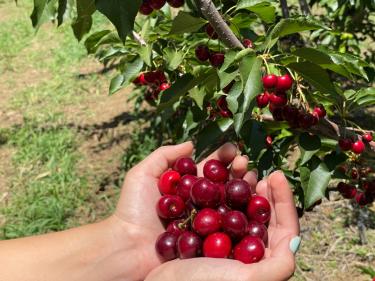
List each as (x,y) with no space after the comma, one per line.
(226,153)
(164,157)
(252,179)
(285,212)
(239,166)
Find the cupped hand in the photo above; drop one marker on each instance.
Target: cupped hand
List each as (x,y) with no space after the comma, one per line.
(279,261)
(136,208)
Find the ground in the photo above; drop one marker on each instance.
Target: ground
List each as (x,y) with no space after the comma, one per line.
(62,141)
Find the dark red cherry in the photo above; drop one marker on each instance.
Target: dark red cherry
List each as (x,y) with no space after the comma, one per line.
(217,245)
(157,4)
(250,250)
(277,112)
(263,100)
(207,221)
(185,166)
(145,8)
(223,209)
(170,207)
(354,174)
(279,99)
(269,81)
(176,3)
(189,245)
(228,87)
(306,120)
(284,83)
(177,227)
(358,147)
(205,194)
(184,186)
(258,230)
(211,32)
(221,187)
(346,190)
(367,137)
(320,111)
(202,53)
(215,171)
(166,246)
(345,144)
(168,182)
(140,80)
(259,209)
(216,59)
(247,43)
(237,193)
(235,224)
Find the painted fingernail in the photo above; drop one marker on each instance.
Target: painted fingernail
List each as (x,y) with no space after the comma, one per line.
(294,244)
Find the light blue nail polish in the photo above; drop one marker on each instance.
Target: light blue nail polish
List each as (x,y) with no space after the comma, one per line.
(294,244)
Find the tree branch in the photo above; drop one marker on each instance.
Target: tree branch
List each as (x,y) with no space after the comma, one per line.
(284,8)
(331,130)
(304,7)
(225,34)
(139,39)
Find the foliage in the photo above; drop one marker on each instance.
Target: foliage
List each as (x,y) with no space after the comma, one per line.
(190,104)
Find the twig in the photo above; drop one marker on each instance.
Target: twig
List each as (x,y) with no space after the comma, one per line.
(139,39)
(304,7)
(225,34)
(284,8)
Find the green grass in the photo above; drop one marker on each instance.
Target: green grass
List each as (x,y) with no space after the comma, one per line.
(47,189)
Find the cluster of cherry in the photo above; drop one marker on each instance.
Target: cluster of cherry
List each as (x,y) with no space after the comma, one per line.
(156,82)
(210,216)
(355,145)
(148,6)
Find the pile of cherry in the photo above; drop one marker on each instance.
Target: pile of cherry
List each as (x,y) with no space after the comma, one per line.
(211,216)
(148,6)
(155,81)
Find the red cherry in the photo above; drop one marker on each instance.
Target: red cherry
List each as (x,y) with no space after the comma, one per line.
(235,224)
(259,209)
(306,120)
(237,193)
(347,191)
(207,221)
(140,80)
(269,141)
(221,187)
(249,250)
(189,245)
(202,53)
(291,115)
(145,8)
(176,3)
(165,246)
(367,137)
(185,166)
(176,227)
(358,147)
(345,144)
(211,32)
(170,207)
(247,43)
(217,245)
(320,111)
(269,81)
(164,86)
(184,186)
(363,199)
(205,193)
(215,171)
(279,99)
(259,230)
(263,100)
(157,4)
(168,182)
(223,209)
(284,83)
(354,174)
(216,59)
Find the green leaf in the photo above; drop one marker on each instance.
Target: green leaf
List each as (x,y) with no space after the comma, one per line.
(146,52)
(309,145)
(92,42)
(61,11)
(290,26)
(211,136)
(261,8)
(186,23)
(316,76)
(121,13)
(250,70)
(197,94)
(233,95)
(44,10)
(83,22)
(314,182)
(333,159)
(124,79)
(173,58)
(227,77)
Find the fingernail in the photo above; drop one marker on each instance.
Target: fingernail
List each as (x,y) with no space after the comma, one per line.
(294,244)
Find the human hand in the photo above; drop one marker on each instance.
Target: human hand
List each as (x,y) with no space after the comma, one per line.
(279,261)
(136,215)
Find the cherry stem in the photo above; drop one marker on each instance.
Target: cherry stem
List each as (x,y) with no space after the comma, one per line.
(182,225)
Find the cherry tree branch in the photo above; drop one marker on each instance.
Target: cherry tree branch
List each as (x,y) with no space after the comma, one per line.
(304,7)
(139,39)
(284,8)
(330,129)
(225,34)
